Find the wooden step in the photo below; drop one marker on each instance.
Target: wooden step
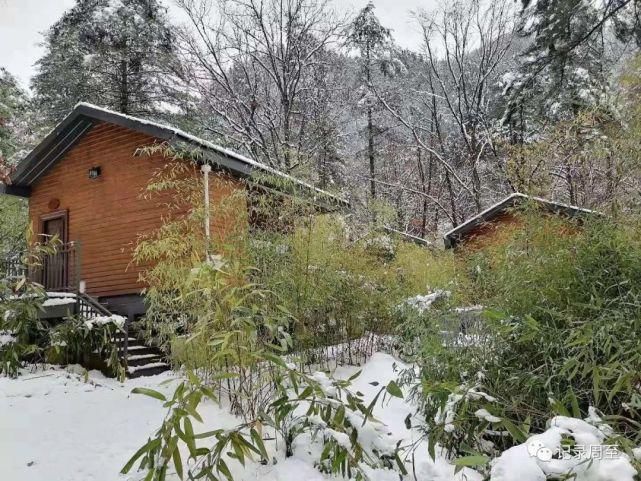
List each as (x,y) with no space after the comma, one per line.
(148,369)
(139,348)
(143,359)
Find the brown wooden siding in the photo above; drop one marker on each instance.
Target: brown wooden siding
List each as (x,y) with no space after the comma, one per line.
(107,214)
(505,226)
(492,233)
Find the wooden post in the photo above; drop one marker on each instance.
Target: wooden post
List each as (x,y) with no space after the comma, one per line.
(206,169)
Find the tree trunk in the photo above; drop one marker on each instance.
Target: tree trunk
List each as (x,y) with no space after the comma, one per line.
(124,88)
(370,151)
(421,173)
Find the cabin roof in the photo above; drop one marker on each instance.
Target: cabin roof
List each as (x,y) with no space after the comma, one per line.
(84,116)
(461,231)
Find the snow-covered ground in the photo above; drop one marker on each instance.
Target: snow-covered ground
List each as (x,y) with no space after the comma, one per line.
(57,425)
(63,425)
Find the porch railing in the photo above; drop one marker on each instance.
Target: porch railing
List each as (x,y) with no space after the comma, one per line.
(12,265)
(58,271)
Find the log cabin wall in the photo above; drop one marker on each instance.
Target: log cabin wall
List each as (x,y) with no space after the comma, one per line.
(504,227)
(106,214)
(495,232)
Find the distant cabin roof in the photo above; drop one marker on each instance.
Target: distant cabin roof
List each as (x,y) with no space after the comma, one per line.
(84,116)
(460,232)
(408,237)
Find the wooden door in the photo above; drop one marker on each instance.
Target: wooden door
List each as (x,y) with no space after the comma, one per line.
(55,266)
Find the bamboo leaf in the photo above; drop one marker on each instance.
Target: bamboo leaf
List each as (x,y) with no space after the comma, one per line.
(149,392)
(394,390)
(178,463)
(149,446)
(469,461)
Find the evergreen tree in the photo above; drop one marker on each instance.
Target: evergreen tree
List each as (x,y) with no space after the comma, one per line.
(116,53)
(13,106)
(13,210)
(566,65)
(374,43)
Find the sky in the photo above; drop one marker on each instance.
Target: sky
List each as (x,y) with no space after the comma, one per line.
(23,21)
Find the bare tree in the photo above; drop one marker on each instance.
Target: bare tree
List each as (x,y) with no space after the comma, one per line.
(450,113)
(255,67)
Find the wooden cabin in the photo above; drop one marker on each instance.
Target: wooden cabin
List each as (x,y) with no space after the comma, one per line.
(84,185)
(500,220)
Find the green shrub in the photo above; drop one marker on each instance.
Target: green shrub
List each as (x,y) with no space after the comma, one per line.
(560,335)
(87,341)
(337,284)
(20,305)
(316,406)
(340,285)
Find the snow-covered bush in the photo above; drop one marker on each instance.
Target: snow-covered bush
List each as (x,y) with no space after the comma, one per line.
(76,339)
(338,429)
(333,422)
(328,415)
(23,335)
(569,448)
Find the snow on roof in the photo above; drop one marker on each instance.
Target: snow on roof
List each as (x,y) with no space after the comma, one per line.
(503,204)
(214,147)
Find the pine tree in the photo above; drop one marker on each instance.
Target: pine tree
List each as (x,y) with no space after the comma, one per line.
(13,210)
(116,53)
(565,67)
(373,41)
(13,105)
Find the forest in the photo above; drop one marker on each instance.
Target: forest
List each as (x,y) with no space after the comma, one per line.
(499,97)
(323,345)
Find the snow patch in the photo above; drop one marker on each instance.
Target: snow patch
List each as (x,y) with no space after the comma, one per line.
(424,303)
(7,337)
(58,301)
(118,321)
(484,415)
(57,426)
(542,456)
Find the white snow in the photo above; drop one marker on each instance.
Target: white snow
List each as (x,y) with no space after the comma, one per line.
(59,298)
(6,337)
(68,425)
(484,415)
(56,426)
(119,321)
(423,303)
(542,455)
(151,365)
(447,414)
(383,368)
(58,301)
(138,357)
